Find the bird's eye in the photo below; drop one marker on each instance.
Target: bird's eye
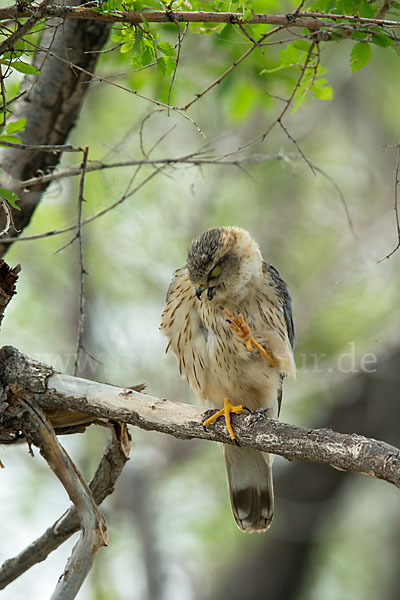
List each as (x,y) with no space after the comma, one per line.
(215,272)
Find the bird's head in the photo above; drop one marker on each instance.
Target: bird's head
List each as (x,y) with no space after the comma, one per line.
(222,261)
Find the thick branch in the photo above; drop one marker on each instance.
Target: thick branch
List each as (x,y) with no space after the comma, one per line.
(349,452)
(8,279)
(163,17)
(309,20)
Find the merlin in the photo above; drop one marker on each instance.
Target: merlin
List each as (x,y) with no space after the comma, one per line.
(228,320)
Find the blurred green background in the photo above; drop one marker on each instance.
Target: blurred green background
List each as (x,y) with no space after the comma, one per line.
(171,531)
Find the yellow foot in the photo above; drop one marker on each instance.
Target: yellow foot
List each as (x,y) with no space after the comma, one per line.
(226,413)
(240,327)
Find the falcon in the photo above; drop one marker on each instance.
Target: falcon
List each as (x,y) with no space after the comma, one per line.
(228,320)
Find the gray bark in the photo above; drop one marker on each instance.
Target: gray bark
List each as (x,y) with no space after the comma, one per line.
(50,104)
(70,400)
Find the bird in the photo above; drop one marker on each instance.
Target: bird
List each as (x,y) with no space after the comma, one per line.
(228,321)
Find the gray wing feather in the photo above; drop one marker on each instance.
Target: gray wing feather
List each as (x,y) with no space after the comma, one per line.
(283,292)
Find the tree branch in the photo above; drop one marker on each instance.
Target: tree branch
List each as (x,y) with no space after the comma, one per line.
(36,14)
(52,391)
(114,458)
(310,20)
(8,279)
(37,429)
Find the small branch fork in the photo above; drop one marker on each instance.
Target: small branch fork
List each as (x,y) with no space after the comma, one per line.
(38,431)
(84,513)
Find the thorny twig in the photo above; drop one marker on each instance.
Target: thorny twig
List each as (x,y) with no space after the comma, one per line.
(39,148)
(249,37)
(82,271)
(231,68)
(291,138)
(3,96)
(178,56)
(396,205)
(23,29)
(93,217)
(95,77)
(192,159)
(287,102)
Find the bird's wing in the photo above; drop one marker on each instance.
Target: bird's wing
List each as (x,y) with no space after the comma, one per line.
(285,299)
(274,303)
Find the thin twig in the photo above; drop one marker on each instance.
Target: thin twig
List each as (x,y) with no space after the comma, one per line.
(291,138)
(190,160)
(341,198)
(45,148)
(179,111)
(178,55)
(288,102)
(34,16)
(249,37)
(82,272)
(231,68)
(102,212)
(396,205)
(7,211)
(299,7)
(3,95)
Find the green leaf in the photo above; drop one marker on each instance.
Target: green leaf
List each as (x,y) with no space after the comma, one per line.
(16,126)
(10,138)
(360,56)
(166,65)
(359,35)
(322,90)
(147,52)
(126,47)
(111,5)
(11,197)
(344,7)
(248,15)
(166,48)
(22,67)
(382,40)
(290,55)
(302,45)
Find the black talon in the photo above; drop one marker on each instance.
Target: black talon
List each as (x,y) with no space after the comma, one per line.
(248,409)
(236,442)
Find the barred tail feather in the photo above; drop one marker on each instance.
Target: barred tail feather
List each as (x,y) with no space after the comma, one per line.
(249,476)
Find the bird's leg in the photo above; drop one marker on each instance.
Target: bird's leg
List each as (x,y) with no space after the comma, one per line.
(226,413)
(239,326)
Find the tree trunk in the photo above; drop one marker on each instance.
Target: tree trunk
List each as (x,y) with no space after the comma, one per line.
(50,104)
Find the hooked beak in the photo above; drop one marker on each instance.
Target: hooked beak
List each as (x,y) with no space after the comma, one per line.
(199,290)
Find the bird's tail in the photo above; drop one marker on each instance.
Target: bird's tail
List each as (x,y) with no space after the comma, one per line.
(249,475)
